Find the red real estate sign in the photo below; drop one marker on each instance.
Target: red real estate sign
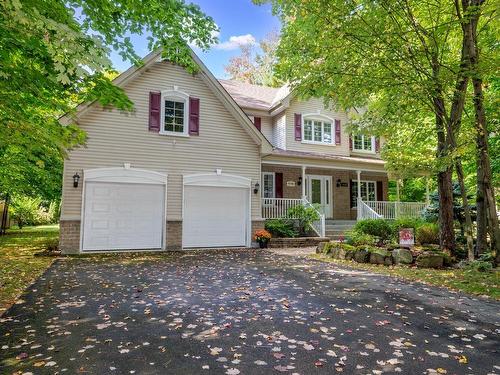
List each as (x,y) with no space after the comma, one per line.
(406,237)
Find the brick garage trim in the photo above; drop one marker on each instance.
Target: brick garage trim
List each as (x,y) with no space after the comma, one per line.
(174,235)
(69,236)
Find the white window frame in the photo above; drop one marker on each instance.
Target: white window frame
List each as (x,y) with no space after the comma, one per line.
(178,96)
(372,151)
(322,118)
(356,191)
(274,184)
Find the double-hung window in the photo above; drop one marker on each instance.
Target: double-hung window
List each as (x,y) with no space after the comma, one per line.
(175,111)
(318,131)
(363,143)
(368,192)
(268,183)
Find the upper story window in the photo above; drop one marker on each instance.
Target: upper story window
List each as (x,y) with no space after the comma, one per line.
(175,110)
(318,131)
(363,143)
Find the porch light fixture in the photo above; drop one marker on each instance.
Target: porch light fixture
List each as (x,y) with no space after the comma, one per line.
(299,182)
(339,182)
(76,178)
(256,188)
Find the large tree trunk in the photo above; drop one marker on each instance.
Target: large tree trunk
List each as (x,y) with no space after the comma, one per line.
(445,188)
(465,203)
(484,187)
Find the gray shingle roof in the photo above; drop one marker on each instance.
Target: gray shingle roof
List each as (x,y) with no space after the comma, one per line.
(254,96)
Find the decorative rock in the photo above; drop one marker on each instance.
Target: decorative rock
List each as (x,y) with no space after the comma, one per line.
(362,256)
(388,261)
(378,256)
(430,260)
(402,256)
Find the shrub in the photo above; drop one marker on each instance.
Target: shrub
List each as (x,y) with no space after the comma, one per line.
(375,227)
(406,223)
(355,238)
(280,228)
(428,234)
(305,216)
(25,210)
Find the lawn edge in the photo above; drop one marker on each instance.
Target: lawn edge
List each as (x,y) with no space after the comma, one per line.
(322,258)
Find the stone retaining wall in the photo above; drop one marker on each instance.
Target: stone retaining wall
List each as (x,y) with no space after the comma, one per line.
(296,242)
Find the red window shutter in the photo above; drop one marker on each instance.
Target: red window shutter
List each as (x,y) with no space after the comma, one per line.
(337,132)
(154,111)
(350,142)
(298,127)
(380,191)
(257,121)
(194,116)
(377,144)
(278,182)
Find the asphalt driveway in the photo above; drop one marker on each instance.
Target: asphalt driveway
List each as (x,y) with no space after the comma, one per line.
(242,312)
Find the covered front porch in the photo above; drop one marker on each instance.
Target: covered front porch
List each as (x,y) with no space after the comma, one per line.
(334,189)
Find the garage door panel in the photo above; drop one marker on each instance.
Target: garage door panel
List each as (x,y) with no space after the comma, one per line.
(215,216)
(122,216)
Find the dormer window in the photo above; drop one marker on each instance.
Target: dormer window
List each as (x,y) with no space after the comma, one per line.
(316,130)
(363,143)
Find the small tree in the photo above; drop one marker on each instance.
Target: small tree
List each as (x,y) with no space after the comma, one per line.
(305,217)
(24,210)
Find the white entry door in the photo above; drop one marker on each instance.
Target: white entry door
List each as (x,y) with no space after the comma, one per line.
(319,191)
(123,216)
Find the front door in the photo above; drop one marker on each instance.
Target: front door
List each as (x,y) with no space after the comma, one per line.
(319,191)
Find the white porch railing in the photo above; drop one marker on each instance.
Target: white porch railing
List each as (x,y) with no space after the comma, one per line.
(366,212)
(390,210)
(319,226)
(277,208)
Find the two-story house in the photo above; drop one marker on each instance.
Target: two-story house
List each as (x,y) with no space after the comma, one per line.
(202,163)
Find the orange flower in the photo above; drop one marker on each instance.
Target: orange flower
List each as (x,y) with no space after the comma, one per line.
(262,235)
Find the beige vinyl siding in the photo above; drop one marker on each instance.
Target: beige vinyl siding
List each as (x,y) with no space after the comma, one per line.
(315,106)
(279,134)
(115,138)
(266,124)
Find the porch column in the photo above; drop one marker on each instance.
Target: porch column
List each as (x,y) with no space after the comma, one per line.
(427,198)
(358,200)
(303,182)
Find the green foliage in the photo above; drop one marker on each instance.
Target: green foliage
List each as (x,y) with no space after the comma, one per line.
(375,227)
(483,264)
(30,211)
(337,245)
(24,210)
(411,189)
(54,55)
(356,238)
(304,215)
(428,234)
(406,223)
(280,228)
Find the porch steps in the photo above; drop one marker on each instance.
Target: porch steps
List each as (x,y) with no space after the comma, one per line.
(334,229)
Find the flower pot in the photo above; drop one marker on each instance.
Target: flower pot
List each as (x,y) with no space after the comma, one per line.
(263,244)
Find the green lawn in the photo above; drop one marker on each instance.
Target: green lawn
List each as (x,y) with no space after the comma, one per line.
(18,265)
(473,282)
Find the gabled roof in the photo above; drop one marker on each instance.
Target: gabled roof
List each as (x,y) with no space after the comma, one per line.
(252,96)
(216,87)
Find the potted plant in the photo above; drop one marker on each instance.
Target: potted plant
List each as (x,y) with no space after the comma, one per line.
(262,236)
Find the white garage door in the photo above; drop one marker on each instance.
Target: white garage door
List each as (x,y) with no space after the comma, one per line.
(121,216)
(215,216)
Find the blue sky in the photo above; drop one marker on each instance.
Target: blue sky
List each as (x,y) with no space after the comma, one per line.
(239,21)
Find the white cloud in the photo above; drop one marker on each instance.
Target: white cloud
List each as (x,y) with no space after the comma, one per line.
(235,42)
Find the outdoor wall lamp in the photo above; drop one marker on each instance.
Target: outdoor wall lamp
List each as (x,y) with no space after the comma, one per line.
(256,188)
(299,182)
(339,182)
(76,178)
